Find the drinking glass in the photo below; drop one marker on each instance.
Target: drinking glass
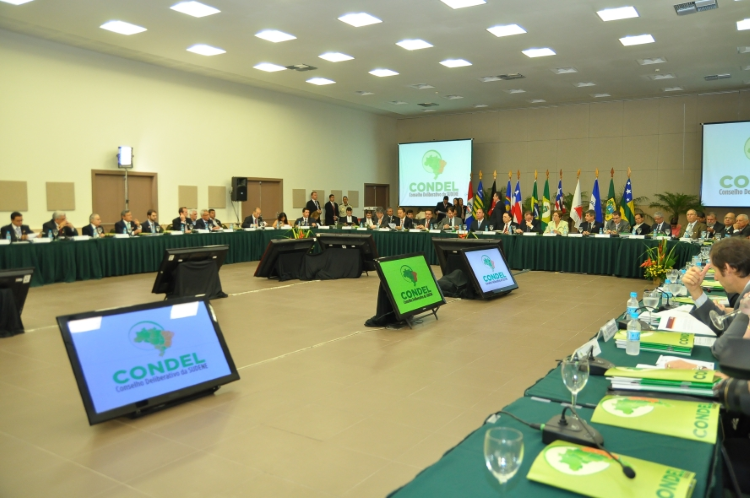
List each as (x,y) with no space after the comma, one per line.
(704,253)
(719,320)
(503,452)
(704,234)
(673,275)
(696,260)
(492,227)
(651,302)
(463,227)
(717,236)
(575,374)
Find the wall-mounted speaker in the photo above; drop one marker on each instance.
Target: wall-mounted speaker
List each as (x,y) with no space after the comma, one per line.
(239,189)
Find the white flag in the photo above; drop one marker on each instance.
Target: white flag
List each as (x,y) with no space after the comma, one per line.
(576,211)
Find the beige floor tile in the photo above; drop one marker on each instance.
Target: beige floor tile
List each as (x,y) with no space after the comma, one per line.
(419,413)
(267,485)
(457,395)
(383,482)
(63,480)
(379,437)
(203,428)
(317,421)
(428,451)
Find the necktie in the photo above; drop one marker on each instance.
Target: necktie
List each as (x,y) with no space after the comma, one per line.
(506,228)
(18,233)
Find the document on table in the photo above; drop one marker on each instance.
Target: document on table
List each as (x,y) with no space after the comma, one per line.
(682,322)
(704,341)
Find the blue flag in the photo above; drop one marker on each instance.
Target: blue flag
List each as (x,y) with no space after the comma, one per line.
(596,201)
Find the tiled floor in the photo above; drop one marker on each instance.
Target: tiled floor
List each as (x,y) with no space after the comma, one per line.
(325,406)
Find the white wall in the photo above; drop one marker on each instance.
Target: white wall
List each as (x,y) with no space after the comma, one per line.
(64,111)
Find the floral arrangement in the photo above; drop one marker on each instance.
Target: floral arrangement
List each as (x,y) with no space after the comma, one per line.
(467,235)
(300,233)
(658,261)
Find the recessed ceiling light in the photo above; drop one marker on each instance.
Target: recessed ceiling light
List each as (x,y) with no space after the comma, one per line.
(420,86)
(320,81)
(382,73)
(429,110)
(359,19)
(746,68)
(538,52)
(122,27)
(195,9)
(584,83)
(516,90)
(480,105)
(208,50)
(274,35)
(452,97)
(743,50)
(335,57)
(537,101)
(600,95)
(660,76)
(672,89)
(363,93)
(506,30)
(617,14)
(629,41)
(460,4)
(455,63)
(397,102)
(743,24)
(652,60)
(564,70)
(413,44)
(268,67)
(16,2)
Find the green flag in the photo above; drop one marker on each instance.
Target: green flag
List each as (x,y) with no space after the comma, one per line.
(535,202)
(627,208)
(611,205)
(545,206)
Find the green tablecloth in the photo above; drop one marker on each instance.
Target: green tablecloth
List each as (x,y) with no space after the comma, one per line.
(462,472)
(68,261)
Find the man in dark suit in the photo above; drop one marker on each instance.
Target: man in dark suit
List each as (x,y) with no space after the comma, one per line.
(452,220)
(16,230)
(58,226)
(182,222)
(380,218)
(529,224)
(741,228)
(660,226)
(729,221)
(127,224)
(441,210)
(479,224)
(496,216)
(332,211)
(94,228)
(590,226)
(349,220)
(314,206)
(508,225)
(305,220)
(254,219)
(404,221)
(694,227)
(389,217)
(640,227)
(205,222)
(151,225)
(712,226)
(212,215)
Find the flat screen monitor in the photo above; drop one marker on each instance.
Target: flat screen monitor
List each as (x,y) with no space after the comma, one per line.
(164,283)
(360,241)
(725,166)
(428,171)
(18,281)
(447,251)
(410,284)
(276,247)
(137,358)
(489,271)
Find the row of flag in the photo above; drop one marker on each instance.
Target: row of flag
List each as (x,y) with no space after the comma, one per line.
(514,202)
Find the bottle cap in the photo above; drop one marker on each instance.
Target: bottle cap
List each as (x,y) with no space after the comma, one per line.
(667,282)
(633,294)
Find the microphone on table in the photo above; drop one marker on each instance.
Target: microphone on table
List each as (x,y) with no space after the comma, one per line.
(627,470)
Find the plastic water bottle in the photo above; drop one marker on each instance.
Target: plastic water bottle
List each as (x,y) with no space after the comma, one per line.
(633,303)
(633,345)
(7,235)
(182,227)
(125,230)
(49,234)
(601,231)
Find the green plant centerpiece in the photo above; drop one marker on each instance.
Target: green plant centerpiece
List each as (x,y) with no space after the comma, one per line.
(658,261)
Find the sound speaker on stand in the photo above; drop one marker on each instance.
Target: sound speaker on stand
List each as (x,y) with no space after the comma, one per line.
(239,189)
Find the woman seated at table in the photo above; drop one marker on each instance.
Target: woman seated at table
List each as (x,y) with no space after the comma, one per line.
(674,223)
(557,225)
(280,220)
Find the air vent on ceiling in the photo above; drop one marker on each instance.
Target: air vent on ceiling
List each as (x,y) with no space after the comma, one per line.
(420,86)
(713,77)
(301,67)
(696,6)
(429,104)
(502,77)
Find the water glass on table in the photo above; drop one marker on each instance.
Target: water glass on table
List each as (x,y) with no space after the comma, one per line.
(650,302)
(503,453)
(575,374)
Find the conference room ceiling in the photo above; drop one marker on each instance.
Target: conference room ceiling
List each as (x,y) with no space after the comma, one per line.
(694,46)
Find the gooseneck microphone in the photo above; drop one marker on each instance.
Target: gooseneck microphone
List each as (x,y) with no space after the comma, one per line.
(628,471)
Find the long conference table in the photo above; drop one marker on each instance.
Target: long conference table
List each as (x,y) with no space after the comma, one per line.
(70,261)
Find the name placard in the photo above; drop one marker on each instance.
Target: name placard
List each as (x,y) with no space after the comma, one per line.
(608,330)
(550,234)
(529,234)
(602,235)
(575,235)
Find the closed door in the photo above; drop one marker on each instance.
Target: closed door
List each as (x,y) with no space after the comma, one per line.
(267,194)
(108,195)
(377,195)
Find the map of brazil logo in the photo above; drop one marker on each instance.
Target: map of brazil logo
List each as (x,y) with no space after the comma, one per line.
(149,336)
(487,261)
(433,163)
(747,149)
(631,407)
(576,461)
(409,275)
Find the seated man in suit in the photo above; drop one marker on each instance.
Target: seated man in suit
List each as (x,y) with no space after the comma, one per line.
(429,221)
(660,226)
(182,223)
(529,224)
(379,221)
(58,226)
(640,228)
(16,230)
(451,220)
(741,228)
(305,221)
(729,221)
(693,228)
(590,226)
(390,217)
(480,224)
(205,223)
(151,225)
(368,221)
(212,215)
(126,224)
(441,210)
(332,211)
(617,225)
(193,216)
(730,259)
(403,222)
(254,220)
(349,219)
(314,206)
(712,226)
(508,225)
(94,228)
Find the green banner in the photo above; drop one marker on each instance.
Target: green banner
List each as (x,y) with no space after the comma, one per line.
(412,283)
(684,419)
(591,472)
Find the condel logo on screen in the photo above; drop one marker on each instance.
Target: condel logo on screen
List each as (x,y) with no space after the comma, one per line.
(736,185)
(434,164)
(151,336)
(492,277)
(417,293)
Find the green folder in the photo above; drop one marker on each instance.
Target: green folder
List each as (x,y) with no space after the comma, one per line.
(683,341)
(692,420)
(666,374)
(712,284)
(591,472)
